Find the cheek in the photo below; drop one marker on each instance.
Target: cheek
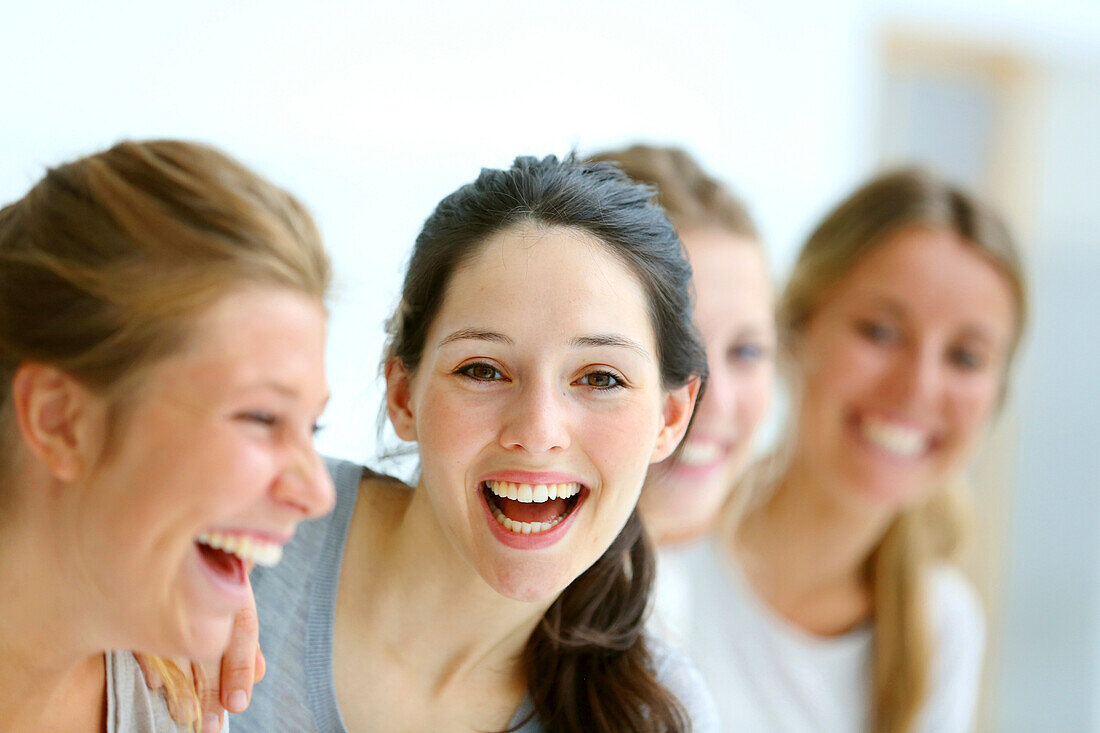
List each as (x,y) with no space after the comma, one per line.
(445,425)
(843,368)
(974,403)
(757,396)
(621,436)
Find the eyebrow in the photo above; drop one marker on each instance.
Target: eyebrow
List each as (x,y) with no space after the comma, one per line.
(614,340)
(596,340)
(282,389)
(476,334)
(886,303)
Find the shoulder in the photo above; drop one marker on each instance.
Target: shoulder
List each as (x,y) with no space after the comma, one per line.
(679,675)
(346,475)
(958,626)
(957,615)
(131,706)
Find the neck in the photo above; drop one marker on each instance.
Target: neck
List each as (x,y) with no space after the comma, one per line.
(50,679)
(448,619)
(807,551)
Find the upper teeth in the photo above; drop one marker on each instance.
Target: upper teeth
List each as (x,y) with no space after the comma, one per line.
(245,547)
(528,493)
(895,438)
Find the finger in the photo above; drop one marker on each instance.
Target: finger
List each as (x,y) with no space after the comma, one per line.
(238,670)
(152,677)
(261,665)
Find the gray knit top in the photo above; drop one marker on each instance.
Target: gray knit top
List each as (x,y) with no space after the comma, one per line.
(297,602)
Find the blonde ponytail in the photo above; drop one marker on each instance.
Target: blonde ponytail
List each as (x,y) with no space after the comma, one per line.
(903,639)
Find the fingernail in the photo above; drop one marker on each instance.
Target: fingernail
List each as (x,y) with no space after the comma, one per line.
(210,723)
(238,701)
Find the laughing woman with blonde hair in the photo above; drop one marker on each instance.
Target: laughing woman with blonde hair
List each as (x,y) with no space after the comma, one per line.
(162,328)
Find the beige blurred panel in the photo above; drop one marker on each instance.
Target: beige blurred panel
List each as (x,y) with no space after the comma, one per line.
(971,111)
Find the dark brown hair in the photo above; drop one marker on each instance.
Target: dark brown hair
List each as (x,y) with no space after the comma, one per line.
(588,667)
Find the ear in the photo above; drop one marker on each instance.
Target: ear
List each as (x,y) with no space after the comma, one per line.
(399,399)
(55,415)
(675,418)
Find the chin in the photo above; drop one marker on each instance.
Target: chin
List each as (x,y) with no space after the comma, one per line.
(529,585)
(888,495)
(208,638)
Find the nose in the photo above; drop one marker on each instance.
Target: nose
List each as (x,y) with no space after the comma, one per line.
(720,398)
(535,419)
(305,482)
(917,375)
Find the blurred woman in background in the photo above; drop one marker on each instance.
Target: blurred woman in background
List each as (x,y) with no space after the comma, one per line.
(162,330)
(734,311)
(838,610)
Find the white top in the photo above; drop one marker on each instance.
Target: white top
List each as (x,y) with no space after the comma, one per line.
(769,675)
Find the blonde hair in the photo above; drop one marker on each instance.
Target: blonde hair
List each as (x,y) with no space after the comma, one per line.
(932,530)
(106,262)
(691,198)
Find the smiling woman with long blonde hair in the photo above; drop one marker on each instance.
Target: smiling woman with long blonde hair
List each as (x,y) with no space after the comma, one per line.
(841,608)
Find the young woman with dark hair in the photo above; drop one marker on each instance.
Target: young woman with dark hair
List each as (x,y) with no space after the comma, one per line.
(542,357)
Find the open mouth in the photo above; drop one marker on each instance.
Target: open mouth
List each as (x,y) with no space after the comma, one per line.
(895,439)
(530,508)
(228,554)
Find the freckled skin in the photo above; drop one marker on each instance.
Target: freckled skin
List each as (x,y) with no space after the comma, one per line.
(541,410)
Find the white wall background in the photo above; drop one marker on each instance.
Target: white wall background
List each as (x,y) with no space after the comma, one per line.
(371,112)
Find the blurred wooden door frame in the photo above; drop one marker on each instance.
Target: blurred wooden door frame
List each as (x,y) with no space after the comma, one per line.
(1009,179)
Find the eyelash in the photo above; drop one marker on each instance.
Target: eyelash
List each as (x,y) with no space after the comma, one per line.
(745,352)
(271,420)
(966,359)
(876,331)
(619,382)
(467,371)
(958,356)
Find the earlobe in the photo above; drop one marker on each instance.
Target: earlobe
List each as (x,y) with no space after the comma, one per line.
(399,399)
(676,416)
(50,407)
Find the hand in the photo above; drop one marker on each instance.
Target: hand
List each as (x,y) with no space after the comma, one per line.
(241,666)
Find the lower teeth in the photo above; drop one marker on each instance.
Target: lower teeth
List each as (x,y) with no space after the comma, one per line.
(524,527)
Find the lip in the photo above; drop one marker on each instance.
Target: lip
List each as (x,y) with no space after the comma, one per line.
(275,538)
(530,541)
(530,477)
(235,594)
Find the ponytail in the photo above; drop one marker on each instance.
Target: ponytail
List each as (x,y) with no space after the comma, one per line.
(903,650)
(588,667)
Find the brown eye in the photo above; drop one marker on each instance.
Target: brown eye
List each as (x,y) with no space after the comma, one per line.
(965,358)
(601,380)
(876,331)
(481,371)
